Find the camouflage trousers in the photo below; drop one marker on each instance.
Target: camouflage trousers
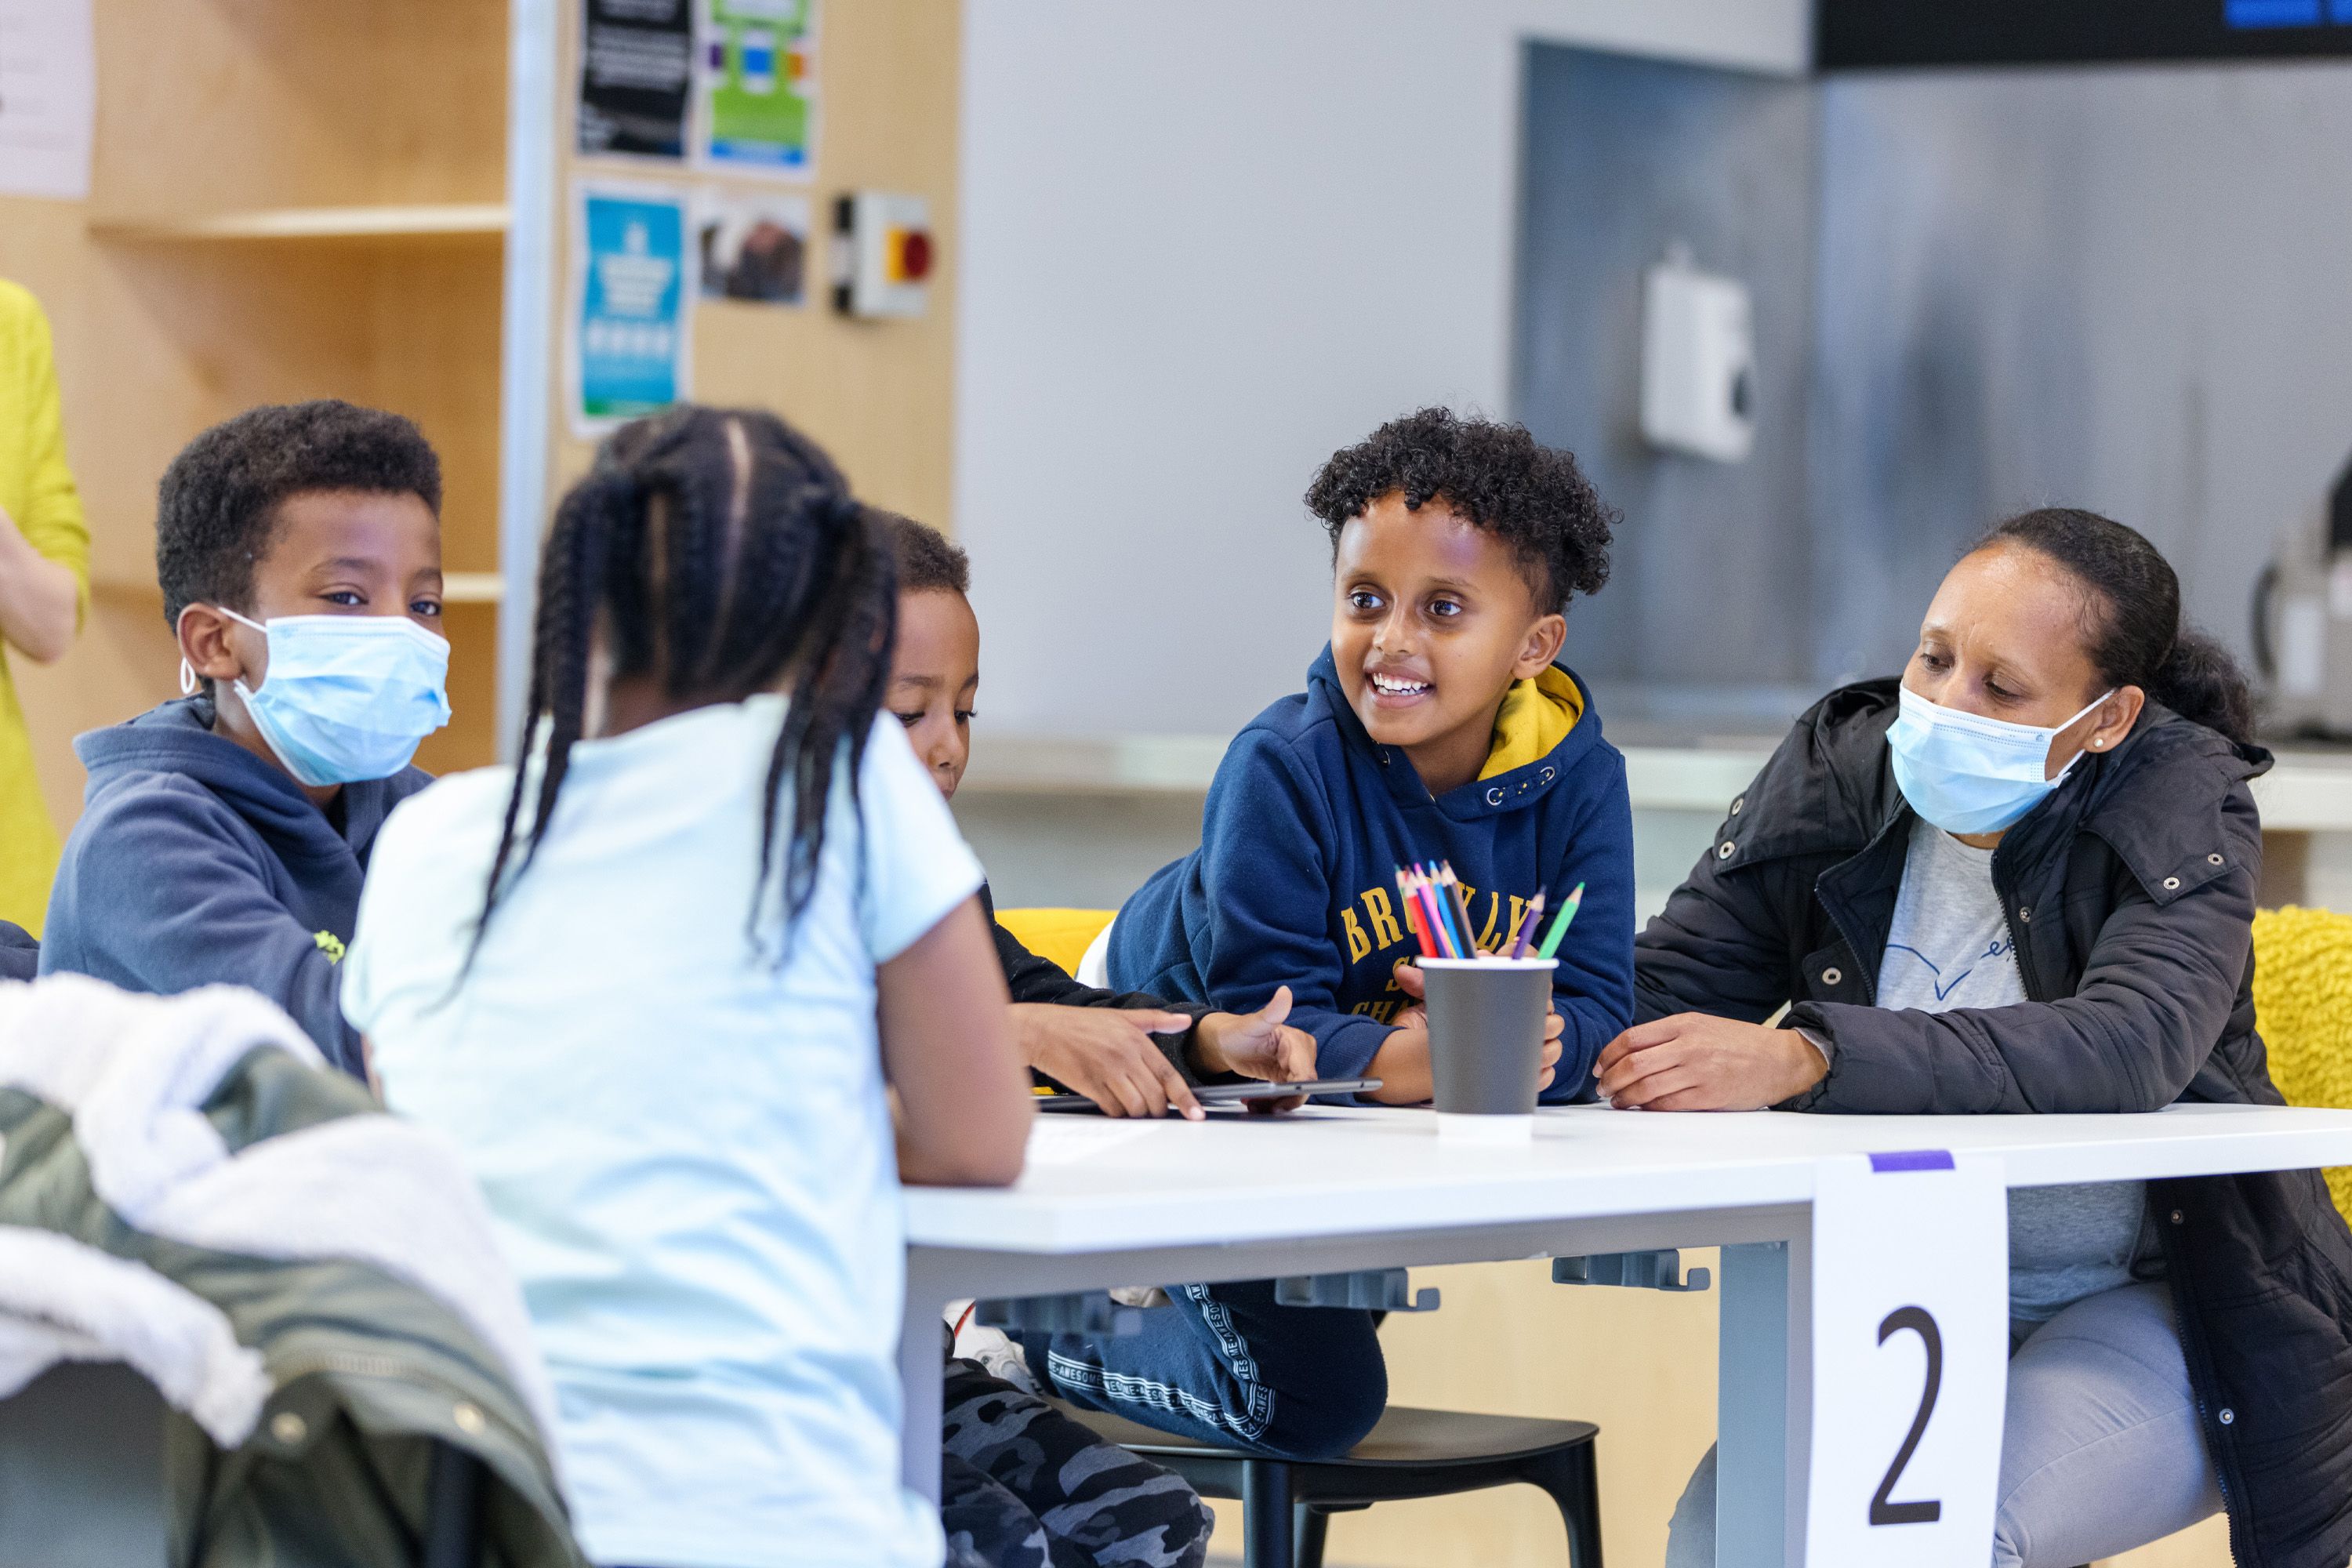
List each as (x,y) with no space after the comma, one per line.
(1027,1486)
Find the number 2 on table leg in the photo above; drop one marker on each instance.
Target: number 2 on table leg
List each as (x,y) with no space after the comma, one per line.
(1919,1321)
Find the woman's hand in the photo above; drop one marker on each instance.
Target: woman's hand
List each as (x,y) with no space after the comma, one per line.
(1693,1061)
(1257,1045)
(1107,1054)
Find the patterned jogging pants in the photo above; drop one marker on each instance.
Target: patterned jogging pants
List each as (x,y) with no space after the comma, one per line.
(1027,1486)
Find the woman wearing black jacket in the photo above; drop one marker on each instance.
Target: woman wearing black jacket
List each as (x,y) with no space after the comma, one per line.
(2023,880)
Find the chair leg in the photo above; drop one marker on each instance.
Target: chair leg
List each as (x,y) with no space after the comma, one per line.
(1571,1479)
(1310,1528)
(1265,1515)
(453,1508)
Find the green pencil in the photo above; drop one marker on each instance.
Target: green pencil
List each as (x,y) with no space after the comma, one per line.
(1560,924)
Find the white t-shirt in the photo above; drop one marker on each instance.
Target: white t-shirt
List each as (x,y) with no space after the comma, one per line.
(686,1147)
(1949,947)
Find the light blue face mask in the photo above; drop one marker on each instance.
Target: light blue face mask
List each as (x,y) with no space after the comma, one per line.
(347,697)
(1969,773)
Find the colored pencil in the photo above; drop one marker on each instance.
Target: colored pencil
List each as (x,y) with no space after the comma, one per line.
(1527,931)
(1450,935)
(1460,905)
(1560,924)
(1412,916)
(1435,907)
(1410,890)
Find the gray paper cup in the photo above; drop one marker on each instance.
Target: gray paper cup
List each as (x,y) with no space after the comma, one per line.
(1485,1043)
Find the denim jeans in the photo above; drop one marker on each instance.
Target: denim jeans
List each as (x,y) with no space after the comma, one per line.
(1226,1365)
(2100,1450)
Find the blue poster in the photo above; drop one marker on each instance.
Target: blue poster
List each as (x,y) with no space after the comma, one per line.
(631,334)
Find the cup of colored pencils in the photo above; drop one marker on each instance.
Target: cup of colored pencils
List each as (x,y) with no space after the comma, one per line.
(1486,1007)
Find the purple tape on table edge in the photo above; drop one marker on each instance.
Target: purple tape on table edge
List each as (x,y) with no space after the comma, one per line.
(1912,1160)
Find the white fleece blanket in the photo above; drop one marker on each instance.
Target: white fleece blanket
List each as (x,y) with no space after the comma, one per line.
(134,1070)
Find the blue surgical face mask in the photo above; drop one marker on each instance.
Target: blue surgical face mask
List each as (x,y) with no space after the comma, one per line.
(1969,773)
(347,697)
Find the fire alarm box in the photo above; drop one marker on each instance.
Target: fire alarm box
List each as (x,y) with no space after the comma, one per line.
(1699,362)
(882,254)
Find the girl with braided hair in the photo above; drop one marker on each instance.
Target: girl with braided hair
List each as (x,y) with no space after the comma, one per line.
(654,982)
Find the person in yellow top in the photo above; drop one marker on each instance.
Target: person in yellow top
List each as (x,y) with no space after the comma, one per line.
(43,587)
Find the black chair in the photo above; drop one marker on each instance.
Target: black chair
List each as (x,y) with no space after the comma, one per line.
(86,1485)
(1286,1503)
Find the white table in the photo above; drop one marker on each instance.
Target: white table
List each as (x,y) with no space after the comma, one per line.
(1329,1191)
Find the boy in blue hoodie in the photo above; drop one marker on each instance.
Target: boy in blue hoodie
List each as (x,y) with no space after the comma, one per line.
(1436,727)
(223,837)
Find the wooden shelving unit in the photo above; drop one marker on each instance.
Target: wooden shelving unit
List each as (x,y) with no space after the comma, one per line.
(419,221)
(304,198)
(313,200)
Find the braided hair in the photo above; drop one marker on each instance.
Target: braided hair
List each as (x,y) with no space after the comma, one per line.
(718,552)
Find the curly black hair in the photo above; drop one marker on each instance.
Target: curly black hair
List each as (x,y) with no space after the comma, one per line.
(218,502)
(927,563)
(1533,497)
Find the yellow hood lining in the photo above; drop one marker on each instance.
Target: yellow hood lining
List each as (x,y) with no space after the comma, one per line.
(1535,716)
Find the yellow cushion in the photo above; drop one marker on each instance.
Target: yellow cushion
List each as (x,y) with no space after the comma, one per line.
(1060,936)
(2303,1005)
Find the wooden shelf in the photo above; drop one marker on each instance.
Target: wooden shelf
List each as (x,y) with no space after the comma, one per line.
(456,588)
(413,221)
(472,588)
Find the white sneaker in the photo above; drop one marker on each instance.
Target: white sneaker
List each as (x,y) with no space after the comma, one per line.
(995,1353)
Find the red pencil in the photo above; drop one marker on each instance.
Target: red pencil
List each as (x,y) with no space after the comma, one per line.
(1448,940)
(1413,917)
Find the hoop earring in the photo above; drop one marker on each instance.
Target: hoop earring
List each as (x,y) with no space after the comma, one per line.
(187,679)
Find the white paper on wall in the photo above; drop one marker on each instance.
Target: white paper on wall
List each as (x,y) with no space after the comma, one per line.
(48,97)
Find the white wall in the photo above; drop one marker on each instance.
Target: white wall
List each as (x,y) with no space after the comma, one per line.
(1203,245)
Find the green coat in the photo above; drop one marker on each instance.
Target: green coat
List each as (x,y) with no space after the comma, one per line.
(365,1371)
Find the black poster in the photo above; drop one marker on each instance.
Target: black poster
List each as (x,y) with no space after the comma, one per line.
(636,59)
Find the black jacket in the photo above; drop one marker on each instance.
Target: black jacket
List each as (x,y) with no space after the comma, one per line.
(20,955)
(1033,979)
(2130,894)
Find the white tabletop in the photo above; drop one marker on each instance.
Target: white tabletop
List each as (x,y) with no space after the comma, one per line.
(1094,1185)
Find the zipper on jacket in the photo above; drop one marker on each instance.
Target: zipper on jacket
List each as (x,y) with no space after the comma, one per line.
(1837,917)
(2194,1359)
(2220,1480)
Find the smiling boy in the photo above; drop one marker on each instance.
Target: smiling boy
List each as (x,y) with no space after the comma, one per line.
(223,837)
(1436,727)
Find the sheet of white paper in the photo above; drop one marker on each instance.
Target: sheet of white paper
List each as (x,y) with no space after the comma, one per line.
(1910,1358)
(1061,1139)
(48,97)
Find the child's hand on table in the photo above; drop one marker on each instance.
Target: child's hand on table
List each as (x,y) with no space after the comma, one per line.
(1108,1055)
(1402,1064)
(1257,1045)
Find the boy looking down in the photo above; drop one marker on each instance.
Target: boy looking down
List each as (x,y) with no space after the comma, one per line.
(1130,1053)
(225,836)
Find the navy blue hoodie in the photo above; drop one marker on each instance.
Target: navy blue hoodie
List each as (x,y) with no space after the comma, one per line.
(1295,881)
(196,862)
